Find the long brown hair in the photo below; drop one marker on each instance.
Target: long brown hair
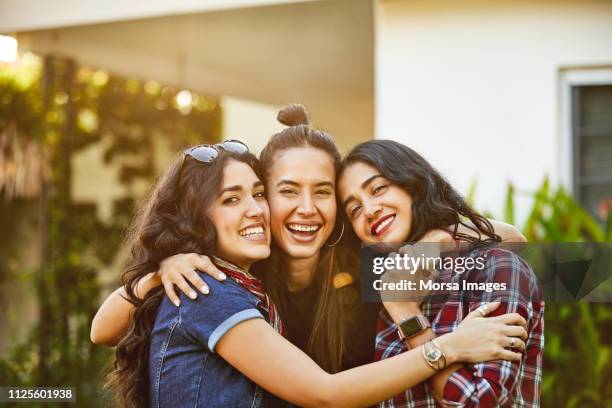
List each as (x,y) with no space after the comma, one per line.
(172,220)
(327,342)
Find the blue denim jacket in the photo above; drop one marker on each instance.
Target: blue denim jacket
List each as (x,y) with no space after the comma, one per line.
(184,369)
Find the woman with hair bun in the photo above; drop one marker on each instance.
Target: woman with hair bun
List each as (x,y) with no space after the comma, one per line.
(317,302)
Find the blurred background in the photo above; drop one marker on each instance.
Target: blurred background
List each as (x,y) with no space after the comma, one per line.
(511,100)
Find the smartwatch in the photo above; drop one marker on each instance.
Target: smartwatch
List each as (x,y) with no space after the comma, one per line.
(412,326)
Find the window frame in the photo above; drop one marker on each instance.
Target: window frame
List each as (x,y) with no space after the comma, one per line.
(570,79)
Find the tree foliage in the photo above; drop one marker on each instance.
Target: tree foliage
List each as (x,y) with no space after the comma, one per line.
(64,109)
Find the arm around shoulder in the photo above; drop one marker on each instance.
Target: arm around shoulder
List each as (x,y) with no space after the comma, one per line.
(113,318)
(508,232)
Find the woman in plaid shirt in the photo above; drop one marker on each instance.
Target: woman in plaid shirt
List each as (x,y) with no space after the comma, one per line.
(393,195)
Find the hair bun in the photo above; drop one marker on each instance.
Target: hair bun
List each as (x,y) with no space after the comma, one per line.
(293,115)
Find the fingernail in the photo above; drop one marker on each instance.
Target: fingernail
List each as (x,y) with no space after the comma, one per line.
(177,303)
(204,290)
(193,295)
(222,276)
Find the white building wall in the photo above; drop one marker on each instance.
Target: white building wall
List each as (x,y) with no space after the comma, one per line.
(475,86)
(255,122)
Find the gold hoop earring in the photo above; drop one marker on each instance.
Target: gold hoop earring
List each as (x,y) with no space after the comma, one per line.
(339,238)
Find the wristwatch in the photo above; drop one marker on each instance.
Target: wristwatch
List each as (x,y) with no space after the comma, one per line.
(412,326)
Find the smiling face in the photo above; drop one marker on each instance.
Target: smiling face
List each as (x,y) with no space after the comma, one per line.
(241,216)
(380,211)
(302,200)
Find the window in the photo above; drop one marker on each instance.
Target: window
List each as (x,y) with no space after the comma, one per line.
(591,118)
(585,148)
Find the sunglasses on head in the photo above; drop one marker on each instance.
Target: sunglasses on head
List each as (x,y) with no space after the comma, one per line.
(206,153)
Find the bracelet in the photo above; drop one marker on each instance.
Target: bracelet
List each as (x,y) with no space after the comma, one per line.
(434,355)
(442,351)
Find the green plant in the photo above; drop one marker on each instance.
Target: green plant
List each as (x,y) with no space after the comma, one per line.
(577,352)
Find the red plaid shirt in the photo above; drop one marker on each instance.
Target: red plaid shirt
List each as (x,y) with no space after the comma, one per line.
(491,384)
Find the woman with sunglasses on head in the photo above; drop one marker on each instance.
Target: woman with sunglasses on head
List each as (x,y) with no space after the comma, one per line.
(320,306)
(392,195)
(211,351)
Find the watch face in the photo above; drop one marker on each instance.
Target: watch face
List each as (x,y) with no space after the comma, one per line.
(411,327)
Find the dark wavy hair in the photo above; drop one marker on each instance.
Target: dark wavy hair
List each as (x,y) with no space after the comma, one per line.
(435,204)
(327,342)
(172,220)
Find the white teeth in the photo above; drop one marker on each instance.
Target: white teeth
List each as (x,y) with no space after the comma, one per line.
(303,228)
(384,224)
(247,232)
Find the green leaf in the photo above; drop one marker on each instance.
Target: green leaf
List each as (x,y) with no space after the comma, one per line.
(471,195)
(548,382)
(602,360)
(608,230)
(509,207)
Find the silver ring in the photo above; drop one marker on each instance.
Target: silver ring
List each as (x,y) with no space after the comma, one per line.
(512,340)
(483,309)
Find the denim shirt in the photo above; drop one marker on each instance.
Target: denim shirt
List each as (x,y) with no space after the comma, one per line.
(184,370)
